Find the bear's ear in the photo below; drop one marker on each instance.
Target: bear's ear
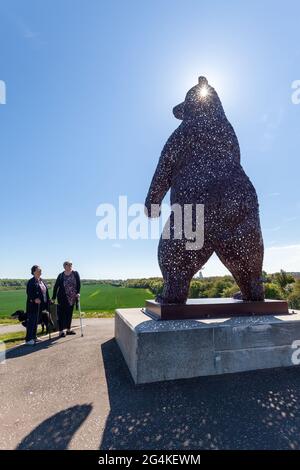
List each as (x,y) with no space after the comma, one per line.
(178,111)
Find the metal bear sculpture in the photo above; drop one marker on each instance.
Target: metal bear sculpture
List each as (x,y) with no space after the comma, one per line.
(201,164)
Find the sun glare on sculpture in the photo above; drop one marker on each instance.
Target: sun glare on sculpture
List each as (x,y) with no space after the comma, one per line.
(203,92)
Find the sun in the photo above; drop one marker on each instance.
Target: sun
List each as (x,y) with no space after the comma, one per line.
(203,92)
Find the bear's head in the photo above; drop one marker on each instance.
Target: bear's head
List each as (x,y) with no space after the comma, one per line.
(201,100)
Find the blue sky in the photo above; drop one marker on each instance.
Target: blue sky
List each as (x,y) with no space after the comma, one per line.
(90,89)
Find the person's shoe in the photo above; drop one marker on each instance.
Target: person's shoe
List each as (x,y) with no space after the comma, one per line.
(30,342)
(71,332)
(61,335)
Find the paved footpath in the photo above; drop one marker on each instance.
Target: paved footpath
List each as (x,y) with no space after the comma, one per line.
(76,393)
(11,328)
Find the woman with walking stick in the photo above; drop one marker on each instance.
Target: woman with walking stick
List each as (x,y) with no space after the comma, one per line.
(67,291)
(37,301)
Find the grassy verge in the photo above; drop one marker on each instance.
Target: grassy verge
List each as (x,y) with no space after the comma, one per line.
(94,314)
(8,321)
(109,314)
(13,339)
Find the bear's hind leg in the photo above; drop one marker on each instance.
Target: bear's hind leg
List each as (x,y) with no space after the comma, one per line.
(242,254)
(178,266)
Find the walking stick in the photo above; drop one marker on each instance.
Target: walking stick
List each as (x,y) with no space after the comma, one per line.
(79,308)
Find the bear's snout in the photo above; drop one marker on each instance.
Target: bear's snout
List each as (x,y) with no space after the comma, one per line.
(178,111)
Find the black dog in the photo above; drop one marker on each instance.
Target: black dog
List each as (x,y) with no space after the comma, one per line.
(44,319)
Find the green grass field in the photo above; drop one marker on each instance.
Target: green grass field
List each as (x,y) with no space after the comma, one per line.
(94,298)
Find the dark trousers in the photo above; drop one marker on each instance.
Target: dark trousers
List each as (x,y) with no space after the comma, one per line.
(64,314)
(33,319)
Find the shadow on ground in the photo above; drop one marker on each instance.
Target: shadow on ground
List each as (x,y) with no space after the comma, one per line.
(23,350)
(253,410)
(57,431)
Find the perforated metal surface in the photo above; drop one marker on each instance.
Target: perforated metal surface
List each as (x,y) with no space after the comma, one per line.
(201,164)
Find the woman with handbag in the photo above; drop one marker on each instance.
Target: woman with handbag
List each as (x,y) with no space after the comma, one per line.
(67,292)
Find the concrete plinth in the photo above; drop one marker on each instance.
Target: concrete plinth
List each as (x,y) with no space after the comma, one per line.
(176,349)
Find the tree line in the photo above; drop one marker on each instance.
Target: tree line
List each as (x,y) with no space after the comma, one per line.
(281,285)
